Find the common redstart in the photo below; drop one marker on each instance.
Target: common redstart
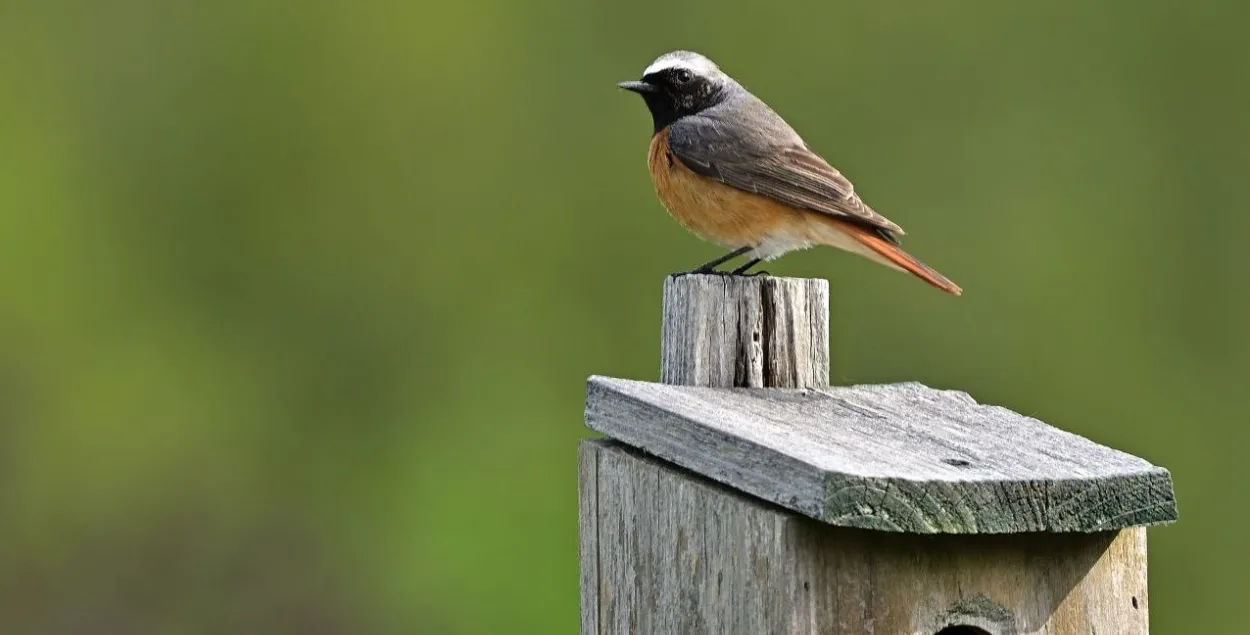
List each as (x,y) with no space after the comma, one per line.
(730,170)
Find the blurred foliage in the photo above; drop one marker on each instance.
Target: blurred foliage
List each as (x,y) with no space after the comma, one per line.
(299,297)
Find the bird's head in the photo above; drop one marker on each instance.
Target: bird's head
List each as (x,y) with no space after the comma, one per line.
(678,84)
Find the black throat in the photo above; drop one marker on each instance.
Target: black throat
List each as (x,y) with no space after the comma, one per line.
(664,110)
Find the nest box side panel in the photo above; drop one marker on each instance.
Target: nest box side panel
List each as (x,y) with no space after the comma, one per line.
(668,551)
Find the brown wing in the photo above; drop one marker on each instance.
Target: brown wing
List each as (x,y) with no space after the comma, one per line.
(791,174)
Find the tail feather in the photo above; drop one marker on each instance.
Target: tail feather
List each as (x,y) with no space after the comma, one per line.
(892,255)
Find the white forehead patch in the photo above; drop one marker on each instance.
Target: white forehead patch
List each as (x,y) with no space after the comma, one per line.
(693,62)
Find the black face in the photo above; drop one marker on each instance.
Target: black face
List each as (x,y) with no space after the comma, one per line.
(673,93)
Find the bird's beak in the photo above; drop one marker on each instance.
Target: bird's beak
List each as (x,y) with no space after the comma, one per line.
(638,87)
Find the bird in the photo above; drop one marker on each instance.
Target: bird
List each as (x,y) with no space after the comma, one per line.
(732,172)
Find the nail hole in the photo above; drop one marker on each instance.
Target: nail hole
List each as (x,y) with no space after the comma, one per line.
(1134,601)
(956,462)
(808,587)
(962,630)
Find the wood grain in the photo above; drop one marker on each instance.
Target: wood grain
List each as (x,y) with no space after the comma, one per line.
(898,458)
(588,535)
(676,553)
(735,331)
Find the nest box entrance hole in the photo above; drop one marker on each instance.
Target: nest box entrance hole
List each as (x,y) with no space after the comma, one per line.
(962,630)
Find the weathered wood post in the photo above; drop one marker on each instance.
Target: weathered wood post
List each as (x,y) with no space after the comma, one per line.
(743,495)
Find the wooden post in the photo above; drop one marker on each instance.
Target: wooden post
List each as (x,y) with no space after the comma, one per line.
(883,510)
(745,332)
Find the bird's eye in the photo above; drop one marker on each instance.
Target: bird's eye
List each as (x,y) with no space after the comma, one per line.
(682,76)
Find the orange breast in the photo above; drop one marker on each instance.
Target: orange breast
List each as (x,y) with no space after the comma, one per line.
(712,210)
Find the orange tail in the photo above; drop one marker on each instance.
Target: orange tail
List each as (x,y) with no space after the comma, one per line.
(895,256)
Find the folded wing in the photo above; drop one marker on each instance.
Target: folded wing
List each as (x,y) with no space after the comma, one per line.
(788,172)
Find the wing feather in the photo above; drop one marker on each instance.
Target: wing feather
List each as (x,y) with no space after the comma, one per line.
(788,172)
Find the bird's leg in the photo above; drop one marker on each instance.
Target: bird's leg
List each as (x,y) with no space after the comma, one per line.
(710,267)
(744,268)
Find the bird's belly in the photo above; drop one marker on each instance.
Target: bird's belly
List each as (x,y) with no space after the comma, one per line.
(717,212)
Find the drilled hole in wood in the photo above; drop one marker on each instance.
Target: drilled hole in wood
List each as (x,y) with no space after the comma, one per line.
(956,462)
(962,630)
(1134,601)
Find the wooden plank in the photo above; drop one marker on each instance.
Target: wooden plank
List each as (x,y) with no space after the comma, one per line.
(900,457)
(588,534)
(759,331)
(681,554)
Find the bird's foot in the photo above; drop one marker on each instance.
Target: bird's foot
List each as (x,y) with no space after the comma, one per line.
(699,272)
(709,268)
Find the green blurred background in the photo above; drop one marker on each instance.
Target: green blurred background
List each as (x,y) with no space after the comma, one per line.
(299,298)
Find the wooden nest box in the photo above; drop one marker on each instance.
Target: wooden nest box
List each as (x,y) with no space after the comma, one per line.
(742,495)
